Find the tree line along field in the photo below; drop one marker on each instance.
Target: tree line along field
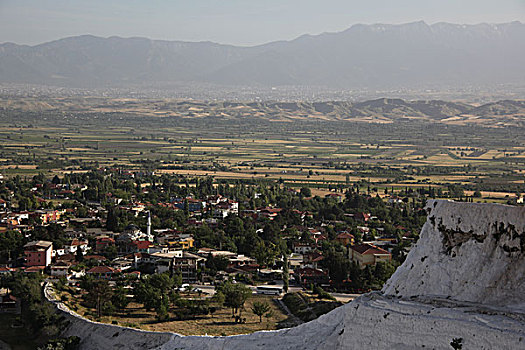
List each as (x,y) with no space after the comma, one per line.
(319,154)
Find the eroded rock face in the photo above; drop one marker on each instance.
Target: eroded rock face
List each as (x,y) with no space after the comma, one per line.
(467,252)
(463,282)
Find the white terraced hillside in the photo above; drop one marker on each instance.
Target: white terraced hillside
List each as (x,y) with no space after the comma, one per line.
(462,282)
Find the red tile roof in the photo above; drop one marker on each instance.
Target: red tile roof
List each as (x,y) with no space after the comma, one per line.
(316,257)
(35,269)
(105,239)
(101,270)
(320,238)
(76,242)
(66,257)
(9,299)
(272,210)
(366,248)
(344,235)
(141,244)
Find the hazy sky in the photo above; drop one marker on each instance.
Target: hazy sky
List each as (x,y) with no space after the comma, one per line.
(239,22)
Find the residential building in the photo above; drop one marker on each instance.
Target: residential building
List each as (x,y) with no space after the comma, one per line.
(4,270)
(103,242)
(9,303)
(312,259)
(336,196)
(345,238)
(74,245)
(309,275)
(38,253)
(60,269)
(240,260)
(302,247)
(223,209)
(187,265)
(48,216)
(269,213)
(140,246)
(368,254)
(104,272)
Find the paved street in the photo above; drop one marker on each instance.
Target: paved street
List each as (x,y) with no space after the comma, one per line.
(342,297)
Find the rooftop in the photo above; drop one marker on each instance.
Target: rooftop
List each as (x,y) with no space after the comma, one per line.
(366,248)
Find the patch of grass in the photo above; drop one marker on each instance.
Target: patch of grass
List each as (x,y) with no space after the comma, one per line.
(220,323)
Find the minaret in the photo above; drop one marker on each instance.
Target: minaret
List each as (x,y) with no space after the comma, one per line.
(148,231)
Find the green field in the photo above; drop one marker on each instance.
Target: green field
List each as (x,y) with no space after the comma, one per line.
(316,153)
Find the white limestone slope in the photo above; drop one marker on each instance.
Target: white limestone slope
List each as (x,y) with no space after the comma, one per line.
(467,252)
(460,281)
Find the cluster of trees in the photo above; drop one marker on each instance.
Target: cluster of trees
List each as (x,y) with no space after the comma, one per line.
(11,243)
(102,297)
(69,343)
(156,292)
(40,317)
(305,309)
(235,295)
(162,293)
(372,277)
(345,274)
(215,264)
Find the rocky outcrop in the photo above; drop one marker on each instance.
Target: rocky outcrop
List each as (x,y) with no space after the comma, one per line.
(460,285)
(467,252)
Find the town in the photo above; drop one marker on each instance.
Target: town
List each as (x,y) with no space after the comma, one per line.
(120,228)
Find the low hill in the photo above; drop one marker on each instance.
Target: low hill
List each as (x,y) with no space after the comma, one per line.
(384,110)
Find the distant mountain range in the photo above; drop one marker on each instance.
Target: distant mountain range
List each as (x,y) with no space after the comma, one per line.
(363,56)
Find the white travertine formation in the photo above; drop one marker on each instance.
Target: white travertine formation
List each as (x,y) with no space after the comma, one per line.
(464,280)
(467,252)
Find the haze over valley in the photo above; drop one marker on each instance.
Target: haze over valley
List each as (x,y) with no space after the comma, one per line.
(414,57)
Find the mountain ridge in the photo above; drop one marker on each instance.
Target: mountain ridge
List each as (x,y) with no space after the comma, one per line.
(352,27)
(362,56)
